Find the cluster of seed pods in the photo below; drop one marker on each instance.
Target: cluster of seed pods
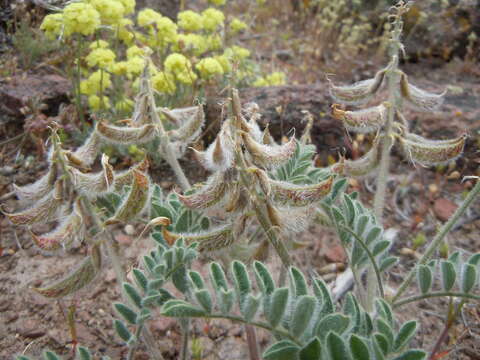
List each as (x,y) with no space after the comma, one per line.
(416,148)
(240,159)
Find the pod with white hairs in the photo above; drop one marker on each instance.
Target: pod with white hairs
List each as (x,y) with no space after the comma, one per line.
(126,135)
(362,121)
(300,195)
(420,99)
(359,92)
(267,156)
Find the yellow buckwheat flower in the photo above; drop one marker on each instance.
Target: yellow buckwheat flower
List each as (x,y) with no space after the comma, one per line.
(166,30)
(237,53)
(99,80)
(125,105)
(237,25)
(102,58)
(135,65)
(214,42)
(80,18)
(209,67)
(129,6)
(276,78)
(164,82)
(148,17)
(52,25)
(135,51)
(111,11)
(223,61)
(217,2)
(124,33)
(96,103)
(181,67)
(194,43)
(212,19)
(98,44)
(190,20)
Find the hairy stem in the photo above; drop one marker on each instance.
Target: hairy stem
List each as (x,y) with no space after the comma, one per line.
(437,240)
(248,181)
(252,343)
(185,327)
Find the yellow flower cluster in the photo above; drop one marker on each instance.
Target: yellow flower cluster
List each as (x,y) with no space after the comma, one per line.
(130,68)
(209,67)
(212,19)
(164,83)
(97,103)
(274,79)
(190,20)
(237,25)
(96,82)
(111,11)
(179,66)
(80,18)
(52,25)
(237,53)
(192,43)
(101,57)
(124,105)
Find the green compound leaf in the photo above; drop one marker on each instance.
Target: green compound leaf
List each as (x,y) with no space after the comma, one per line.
(181,309)
(83,353)
(382,342)
(448,275)
(424,278)
(50,355)
(140,279)
(128,314)
(385,311)
(359,348)
(278,306)
(388,262)
(336,347)
(132,294)
(282,350)
(196,279)
(335,322)
(474,259)
(122,330)
(302,315)
(217,275)
(250,307)
(264,278)
(322,294)
(298,281)
(242,281)
(386,331)
(204,299)
(406,332)
(468,277)
(311,351)
(226,300)
(412,355)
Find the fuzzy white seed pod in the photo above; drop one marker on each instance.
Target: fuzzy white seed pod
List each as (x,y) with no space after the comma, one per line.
(418,98)
(209,195)
(95,184)
(266,156)
(125,135)
(429,152)
(358,93)
(362,121)
(87,153)
(191,125)
(210,240)
(35,191)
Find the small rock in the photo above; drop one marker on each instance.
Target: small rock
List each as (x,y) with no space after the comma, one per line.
(124,239)
(110,276)
(444,209)
(129,230)
(30,329)
(335,254)
(162,324)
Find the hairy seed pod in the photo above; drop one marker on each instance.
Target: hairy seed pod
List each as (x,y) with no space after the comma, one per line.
(219,156)
(126,177)
(294,219)
(362,166)
(191,126)
(362,121)
(263,180)
(135,202)
(358,93)
(126,135)
(45,210)
(62,236)
(211,240)
(209,195)
(300,195)
(418,98)
(78,279)
(76,162)
(94,184)
(267,138)
(428,152)
(35,191)
(266,156)
(87,153)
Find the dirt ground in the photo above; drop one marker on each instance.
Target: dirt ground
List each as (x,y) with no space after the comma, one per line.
(419,200)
